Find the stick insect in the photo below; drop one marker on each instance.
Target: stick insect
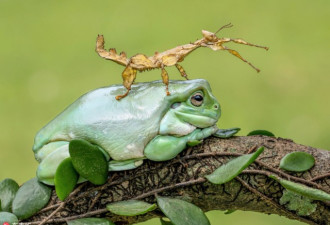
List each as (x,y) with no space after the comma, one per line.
(171,57)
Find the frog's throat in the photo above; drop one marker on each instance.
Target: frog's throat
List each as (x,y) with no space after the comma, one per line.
(181,124)
(199,121)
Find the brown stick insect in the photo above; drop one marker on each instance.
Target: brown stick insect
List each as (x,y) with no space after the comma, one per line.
(141,62)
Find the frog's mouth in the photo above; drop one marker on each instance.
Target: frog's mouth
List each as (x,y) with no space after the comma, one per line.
(199,121)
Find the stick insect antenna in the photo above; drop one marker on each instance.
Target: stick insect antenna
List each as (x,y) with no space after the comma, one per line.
(229,25)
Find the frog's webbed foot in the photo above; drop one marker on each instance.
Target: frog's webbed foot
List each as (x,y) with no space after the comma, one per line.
(226,133)
(163,148)
(200,134)
(130,164)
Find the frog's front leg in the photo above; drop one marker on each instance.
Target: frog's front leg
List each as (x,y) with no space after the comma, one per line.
(163,148)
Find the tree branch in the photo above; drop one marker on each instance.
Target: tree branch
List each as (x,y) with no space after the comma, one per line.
(183,177)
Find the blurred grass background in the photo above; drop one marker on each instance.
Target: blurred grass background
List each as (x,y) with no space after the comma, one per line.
(47,60)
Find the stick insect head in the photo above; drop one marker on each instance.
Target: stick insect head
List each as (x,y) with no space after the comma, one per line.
(211,39)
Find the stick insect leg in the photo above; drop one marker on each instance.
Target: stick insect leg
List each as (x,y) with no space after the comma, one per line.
(235,53)
(240,41)
(129,75)
(182,71)
(165,79)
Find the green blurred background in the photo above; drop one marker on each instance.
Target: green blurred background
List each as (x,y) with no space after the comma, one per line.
(47,60)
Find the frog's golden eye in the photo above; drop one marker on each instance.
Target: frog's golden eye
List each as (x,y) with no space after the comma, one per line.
(197,99)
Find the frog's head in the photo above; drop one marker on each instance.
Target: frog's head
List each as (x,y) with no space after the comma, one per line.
(192,105)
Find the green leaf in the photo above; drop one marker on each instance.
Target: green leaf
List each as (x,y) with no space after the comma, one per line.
(303,189)
(193,143)
(30,198)
(229,171)
(181,212)
(89,161)
(130,208)
(226,133)
(297,161)
(164,222)
(8,217)
(301,204)
(66,178)
(261,132)
(8,189)
(90,221)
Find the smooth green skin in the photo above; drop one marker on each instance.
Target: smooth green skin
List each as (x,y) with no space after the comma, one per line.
(8,189)
(145,124)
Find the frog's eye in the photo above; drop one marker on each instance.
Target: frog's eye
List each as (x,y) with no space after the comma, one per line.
(197,99)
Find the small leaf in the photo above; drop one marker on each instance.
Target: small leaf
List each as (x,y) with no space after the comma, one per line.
(181,212)
(261,132)
(226,133)
(66,178)
(164,222)
(301,204)
(8,217)
(303,189)
(130,208)
(193,143)
(297,161)
(89,161)
(90,221)
(8,189)
(229,171)
(30,198)
(229,211)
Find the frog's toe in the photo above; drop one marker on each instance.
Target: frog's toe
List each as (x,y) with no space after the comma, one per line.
(47,168)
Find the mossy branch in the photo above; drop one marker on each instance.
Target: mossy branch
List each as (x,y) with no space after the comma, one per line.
(183,177)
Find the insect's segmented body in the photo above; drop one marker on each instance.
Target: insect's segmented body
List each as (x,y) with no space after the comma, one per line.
(171,57)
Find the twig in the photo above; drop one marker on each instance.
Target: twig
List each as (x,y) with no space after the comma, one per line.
(320,177)
(142,196)
(62,204)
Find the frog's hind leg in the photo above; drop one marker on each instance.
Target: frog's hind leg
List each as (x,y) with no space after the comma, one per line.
(50,156)
(130,164)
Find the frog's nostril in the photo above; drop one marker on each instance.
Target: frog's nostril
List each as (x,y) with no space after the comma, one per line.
(216,106)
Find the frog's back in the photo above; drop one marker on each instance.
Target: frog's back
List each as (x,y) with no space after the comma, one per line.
(122,128)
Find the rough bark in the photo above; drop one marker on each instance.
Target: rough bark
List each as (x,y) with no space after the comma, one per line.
(183,177)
